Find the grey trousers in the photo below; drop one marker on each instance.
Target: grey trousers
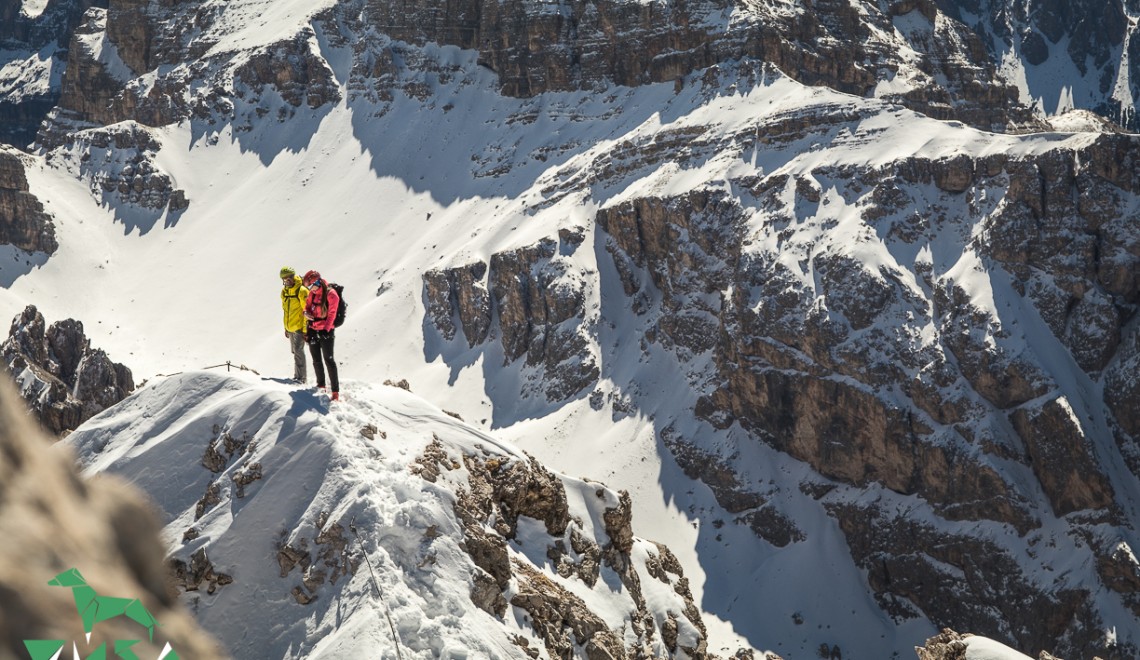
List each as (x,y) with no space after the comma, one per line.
(297,343)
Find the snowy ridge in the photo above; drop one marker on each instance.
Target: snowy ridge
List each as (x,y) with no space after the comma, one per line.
(316,473)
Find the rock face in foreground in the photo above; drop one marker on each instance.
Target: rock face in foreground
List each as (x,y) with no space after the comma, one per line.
(505,490)
(55,521)
(64,380)
(412,531)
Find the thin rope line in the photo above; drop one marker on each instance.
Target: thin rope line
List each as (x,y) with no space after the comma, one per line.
(379,591)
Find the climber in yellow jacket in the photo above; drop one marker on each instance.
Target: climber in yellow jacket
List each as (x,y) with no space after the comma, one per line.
(293,298)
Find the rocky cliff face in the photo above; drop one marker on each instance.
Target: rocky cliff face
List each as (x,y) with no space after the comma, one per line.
(946,72)
(55,521)
(531,303)
(504,491)
(1092,40)
(941,58)
(23,222)
(64,380)
(33,55)
(899,377)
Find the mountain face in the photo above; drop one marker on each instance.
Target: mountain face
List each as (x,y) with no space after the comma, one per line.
(384,508)
(961,331)
(782,237)
(1064,54)
(23,223)
(997,65)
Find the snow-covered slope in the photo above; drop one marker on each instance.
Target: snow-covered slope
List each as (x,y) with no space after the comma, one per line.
(315,531)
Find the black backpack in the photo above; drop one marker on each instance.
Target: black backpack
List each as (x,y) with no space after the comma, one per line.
(342,307)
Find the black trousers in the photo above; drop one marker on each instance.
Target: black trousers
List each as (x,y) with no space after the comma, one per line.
(321,349)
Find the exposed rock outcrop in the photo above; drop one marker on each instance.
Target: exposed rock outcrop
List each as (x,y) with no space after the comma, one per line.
(950,645)
(33,51)
(532,302)
(64,380)
(1119,570)
(901,376)
(944,373)
(295,69)
(991,593)
(502,490)
(100,526)
(199,574)
(330,562)
(1062,457)
(119,162)
(948,74)
(23,221)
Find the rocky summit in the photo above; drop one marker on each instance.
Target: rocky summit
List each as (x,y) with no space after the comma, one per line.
(62,377)
(844,294)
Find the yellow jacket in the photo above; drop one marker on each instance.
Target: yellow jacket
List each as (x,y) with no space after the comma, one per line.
(293,304)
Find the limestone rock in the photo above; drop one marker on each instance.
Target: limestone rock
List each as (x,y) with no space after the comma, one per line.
(539,305)
(950,645)
(34,51)
(1119,570)
(65,380)
(947,645)
(330,560)
(23,222)
(200,570)
(562,619)
(459,291)
(1122,386)
(903,377)
(500,490)
(120,162)
(295,69)
(961,579)
(1062,457)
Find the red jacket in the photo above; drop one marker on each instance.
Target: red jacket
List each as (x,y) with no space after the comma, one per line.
(322,314)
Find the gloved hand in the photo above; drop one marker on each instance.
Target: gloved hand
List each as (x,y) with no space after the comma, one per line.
(286,334)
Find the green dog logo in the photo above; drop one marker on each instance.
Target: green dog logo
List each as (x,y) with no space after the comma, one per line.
(92,609)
